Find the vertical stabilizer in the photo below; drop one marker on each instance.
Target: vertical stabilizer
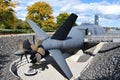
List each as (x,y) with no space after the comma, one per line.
(64,30)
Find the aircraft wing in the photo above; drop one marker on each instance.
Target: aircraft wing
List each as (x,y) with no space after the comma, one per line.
(38,31)
(58,57)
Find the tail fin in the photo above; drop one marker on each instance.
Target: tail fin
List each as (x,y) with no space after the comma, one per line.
(63,31)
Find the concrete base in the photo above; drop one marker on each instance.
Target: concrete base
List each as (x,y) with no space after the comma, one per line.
(49,70)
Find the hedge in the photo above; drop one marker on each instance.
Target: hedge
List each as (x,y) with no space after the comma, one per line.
(15,31)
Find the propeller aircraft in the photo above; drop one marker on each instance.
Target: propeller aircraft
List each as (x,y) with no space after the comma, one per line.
(66,38)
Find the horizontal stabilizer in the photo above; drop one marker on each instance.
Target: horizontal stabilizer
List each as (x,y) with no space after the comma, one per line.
(63,31)
(58,57)
(39,32)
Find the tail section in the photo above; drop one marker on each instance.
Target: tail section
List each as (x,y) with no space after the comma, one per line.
(63,31)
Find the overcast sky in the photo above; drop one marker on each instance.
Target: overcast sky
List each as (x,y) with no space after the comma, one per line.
(108,10)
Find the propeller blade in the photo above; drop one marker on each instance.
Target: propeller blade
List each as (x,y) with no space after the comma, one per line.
(38,43)
(38,57)
(58,57)
(27,44)
(19,52)
(41,51)
(33,39)
(34,48)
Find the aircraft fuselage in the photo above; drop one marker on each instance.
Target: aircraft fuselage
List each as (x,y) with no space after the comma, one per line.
(74,39)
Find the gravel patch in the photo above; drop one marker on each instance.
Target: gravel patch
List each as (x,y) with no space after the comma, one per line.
(105,65)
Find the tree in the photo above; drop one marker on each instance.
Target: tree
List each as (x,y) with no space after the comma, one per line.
(20,24)
(41,13)
(7,14)
(61,19)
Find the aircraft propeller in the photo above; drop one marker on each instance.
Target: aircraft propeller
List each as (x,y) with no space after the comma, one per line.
(34,50)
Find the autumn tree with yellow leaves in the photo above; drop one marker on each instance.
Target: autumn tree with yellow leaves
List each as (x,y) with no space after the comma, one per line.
(41,13)
(7,14)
